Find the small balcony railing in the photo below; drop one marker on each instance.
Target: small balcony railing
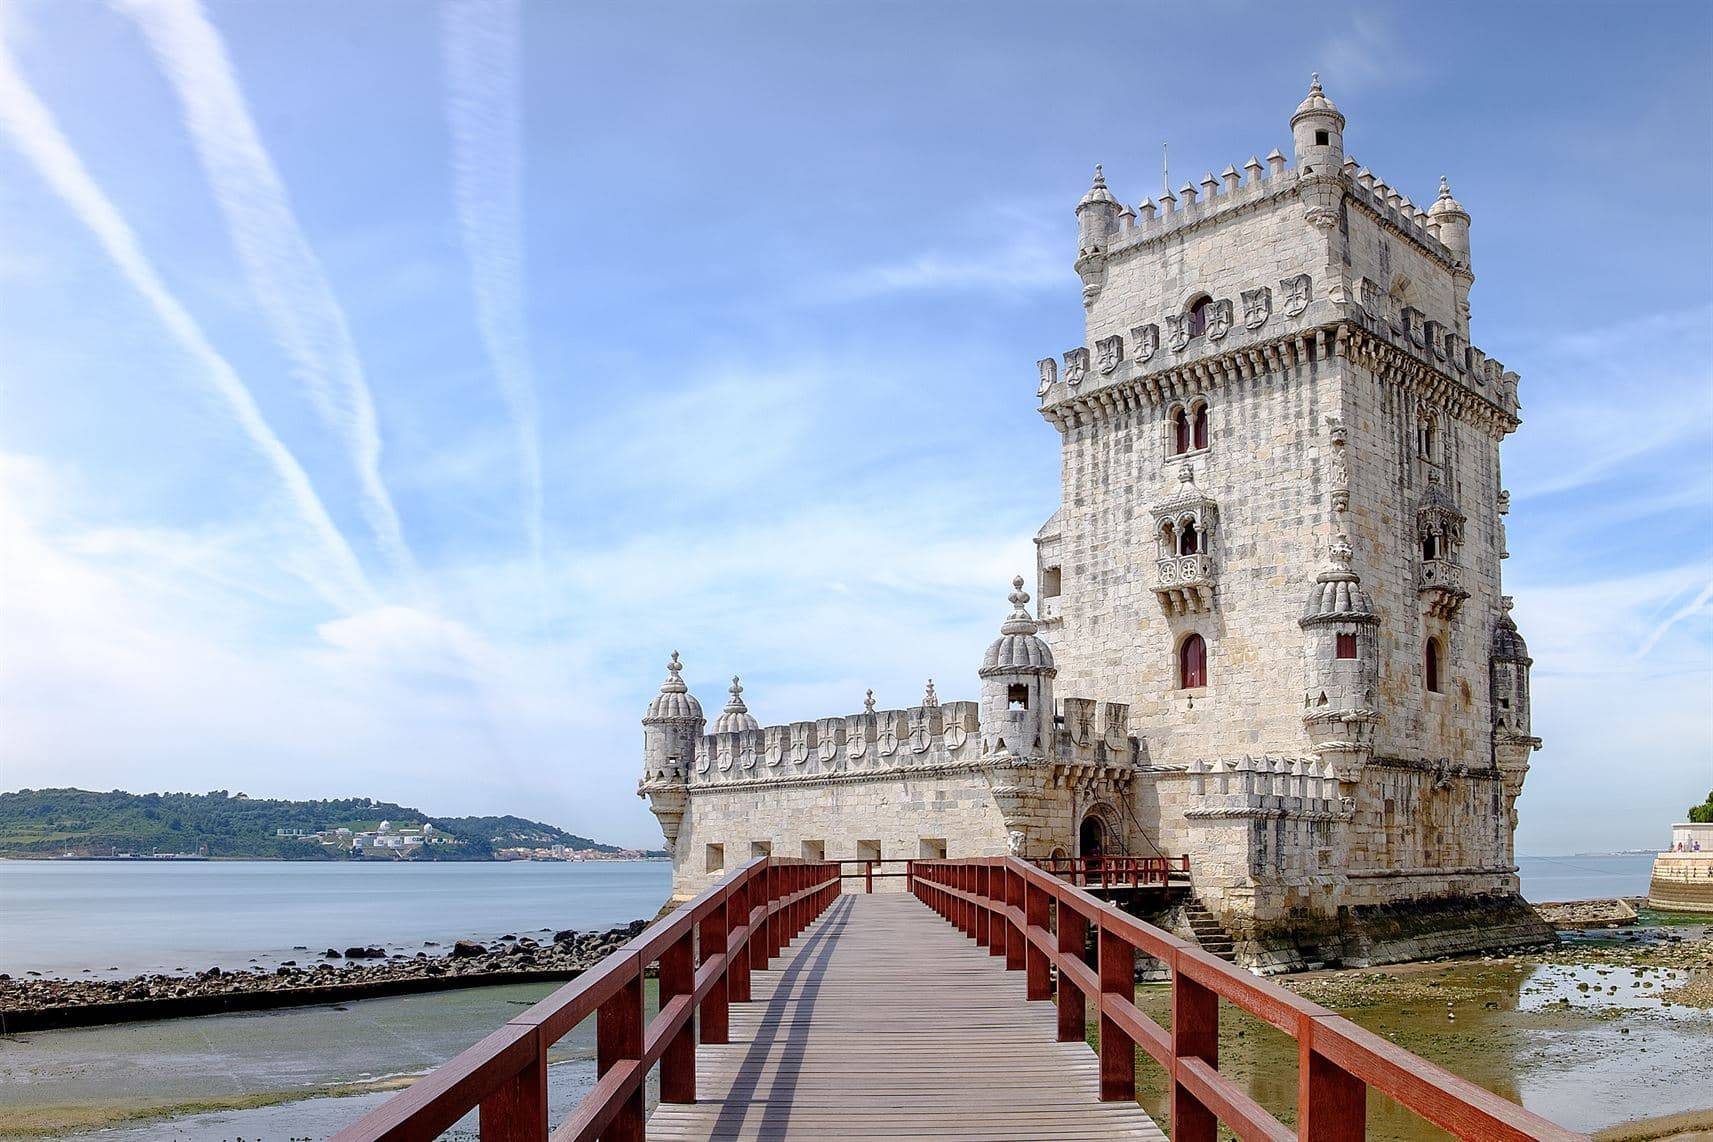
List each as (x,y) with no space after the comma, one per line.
(1184,583)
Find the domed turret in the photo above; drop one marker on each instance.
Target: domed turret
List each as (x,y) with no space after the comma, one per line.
(735,718)
(670,731)
(1450,221)
(1341,656)
(1097,216)
(1017,686)
(1318,131)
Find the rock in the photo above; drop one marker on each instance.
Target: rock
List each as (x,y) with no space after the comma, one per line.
(564,934)
(464,949)
(508,936)
(330,954)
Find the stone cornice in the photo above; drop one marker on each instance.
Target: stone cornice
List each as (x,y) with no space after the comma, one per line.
(1343,337)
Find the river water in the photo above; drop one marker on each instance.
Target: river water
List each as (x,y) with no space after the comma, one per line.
(105,918)
(119,918)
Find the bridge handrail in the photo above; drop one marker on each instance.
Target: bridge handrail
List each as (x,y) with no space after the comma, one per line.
(1038,921)
(705,949)
(1116,871)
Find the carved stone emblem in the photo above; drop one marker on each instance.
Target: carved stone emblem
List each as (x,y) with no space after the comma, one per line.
(1076,366)
(1014,842)
(701,761)
(746,756)
(1257,307)
(1049,375)
(1296,292)
(888,744)
(799,744)
(1178,332)
(1109,351)
(1372,298)
(1147,339)
(1219,319)
(829,748)
(956,735)
(775,753)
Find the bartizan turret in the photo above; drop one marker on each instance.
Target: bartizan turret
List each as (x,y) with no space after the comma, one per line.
(1342,655)
(670,731)
(1097,225)
(1017,724)
(1508,665)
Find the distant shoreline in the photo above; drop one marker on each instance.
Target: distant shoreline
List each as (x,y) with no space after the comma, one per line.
(37,858)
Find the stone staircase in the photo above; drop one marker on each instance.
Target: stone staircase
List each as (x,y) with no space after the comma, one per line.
(1207,931)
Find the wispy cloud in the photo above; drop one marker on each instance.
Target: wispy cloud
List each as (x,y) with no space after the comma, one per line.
(1367,52)
(335,572)
(1026,262)
(480,43)
(283,271)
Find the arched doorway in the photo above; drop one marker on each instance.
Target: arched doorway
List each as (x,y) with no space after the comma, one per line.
(1091,837)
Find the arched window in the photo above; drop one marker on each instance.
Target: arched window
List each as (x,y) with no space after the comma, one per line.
(1432,665)
(1188,541)
(1198,316)
(1426,437)
(1198,435)
(1192,663)
(1180,432)
(1430,546)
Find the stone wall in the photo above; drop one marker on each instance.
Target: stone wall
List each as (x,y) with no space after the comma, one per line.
(1682,882)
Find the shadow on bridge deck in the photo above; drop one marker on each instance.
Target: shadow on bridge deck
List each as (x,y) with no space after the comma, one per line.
(882,1020)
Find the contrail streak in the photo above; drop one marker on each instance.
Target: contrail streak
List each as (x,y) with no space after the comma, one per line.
(1686,611)
(338,576)
(283,271)
(480,43)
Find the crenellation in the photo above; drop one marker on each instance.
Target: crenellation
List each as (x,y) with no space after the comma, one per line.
(1312,686)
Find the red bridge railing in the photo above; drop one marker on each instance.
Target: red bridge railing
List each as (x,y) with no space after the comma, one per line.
(705,951)
(1116,871)
(1041,925)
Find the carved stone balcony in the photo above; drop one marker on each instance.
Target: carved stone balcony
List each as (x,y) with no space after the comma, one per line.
(1184,583)
(1440,583)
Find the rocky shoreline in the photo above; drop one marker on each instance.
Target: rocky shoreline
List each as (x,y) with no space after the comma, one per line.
(37,1003)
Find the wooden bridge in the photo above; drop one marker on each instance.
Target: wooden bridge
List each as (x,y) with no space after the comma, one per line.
(956,1010)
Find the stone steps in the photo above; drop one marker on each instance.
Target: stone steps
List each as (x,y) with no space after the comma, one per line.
(1208,932)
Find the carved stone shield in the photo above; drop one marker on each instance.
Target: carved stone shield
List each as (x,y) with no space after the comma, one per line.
(1076,366)
(1178,332)
(1257,307)
(1147,339)
(1219,319)
(1296,294)
(1049,375)
(1109,351)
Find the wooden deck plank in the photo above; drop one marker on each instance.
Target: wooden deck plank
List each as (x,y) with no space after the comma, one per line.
(881,1020)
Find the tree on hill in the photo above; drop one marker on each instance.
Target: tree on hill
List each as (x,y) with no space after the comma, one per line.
(1703,813)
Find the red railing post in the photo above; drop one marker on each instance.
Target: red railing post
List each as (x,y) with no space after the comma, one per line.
(910,877)
(737,919)
(1195,1035)
(517,1111)
(997,925)
(868,877)
(1117,985)
(983,917)
(1332,1104)
(618,1039)
(711,935)
(678,977)
(1039,980)
(1016,932)
(1073,1013)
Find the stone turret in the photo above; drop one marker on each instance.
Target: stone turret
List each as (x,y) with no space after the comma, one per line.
(1342,654)
(1017,727)
(735,718)
(1317,129)
(1449,222)
(1097,216)
(670,730)
(1508,665)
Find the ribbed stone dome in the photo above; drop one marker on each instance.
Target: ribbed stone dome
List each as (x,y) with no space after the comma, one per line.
(1508,644)
(1337,595)
(1445,204)
(1317,104)
(1097,193)
(736,716)
(1018,650)
(674,702)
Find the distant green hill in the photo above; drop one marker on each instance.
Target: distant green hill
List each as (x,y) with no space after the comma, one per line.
(39,822)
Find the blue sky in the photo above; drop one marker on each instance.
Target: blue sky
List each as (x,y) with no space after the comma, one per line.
(387,388)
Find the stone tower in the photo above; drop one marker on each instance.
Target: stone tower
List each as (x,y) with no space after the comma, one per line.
(1276,368)
(670,732)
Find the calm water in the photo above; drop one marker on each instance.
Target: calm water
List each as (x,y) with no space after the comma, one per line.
(61,917)
(1585,877)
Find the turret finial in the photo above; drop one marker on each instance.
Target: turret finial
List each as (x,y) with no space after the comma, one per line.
(1018,598)
(1444,187)
(868,703)
(736,690)
(1339,551)
(930,700)
(674,683)
(1099,176)
(1314,82)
